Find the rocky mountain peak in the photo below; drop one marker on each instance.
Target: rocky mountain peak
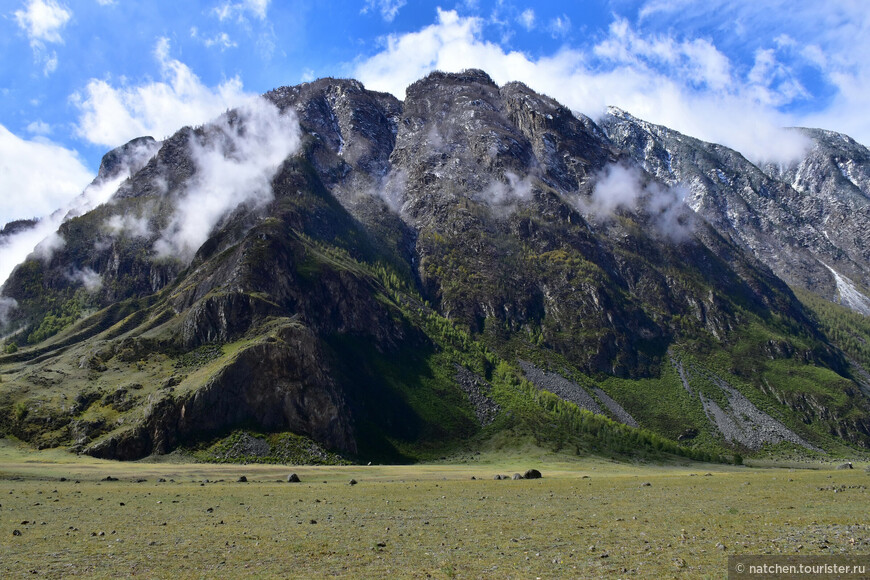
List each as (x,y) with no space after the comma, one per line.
(128,158)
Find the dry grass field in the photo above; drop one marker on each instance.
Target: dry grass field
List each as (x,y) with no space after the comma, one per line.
(586,518)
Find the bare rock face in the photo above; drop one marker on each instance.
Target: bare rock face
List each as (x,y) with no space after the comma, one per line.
(833,179)
(128,158)
(807,221)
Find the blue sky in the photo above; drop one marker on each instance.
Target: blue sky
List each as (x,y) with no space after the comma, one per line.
(78,77)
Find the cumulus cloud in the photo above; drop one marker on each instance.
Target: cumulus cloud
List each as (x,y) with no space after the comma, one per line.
(833,44)
(688,85)
(42,20)
(388,8)
(236,160)
(39,128)
(36,176)
(623,187)
(113,115)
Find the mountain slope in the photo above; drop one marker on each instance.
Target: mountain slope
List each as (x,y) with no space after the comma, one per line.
(807,221)
(396,279)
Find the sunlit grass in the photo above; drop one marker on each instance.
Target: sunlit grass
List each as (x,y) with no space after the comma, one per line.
(586,518)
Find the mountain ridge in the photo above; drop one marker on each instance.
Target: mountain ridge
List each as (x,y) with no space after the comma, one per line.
(328,277)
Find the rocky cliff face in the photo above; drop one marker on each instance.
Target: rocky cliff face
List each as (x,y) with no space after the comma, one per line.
(342,287)
(833,179)
(807,221)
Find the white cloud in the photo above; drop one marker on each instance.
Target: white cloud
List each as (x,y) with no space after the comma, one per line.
(42,20)
(695,60)
(132,226)
(228,10)
(830,37)
(7,305)
(87,278)
(107,2)
(222,40)
(36,177)
(442,45)
(46,247)
(388,8)
(235,166)
(560,26)
(113,115)
(527,19)
(49,64)
(43,238)
(622,187)
(689,86)
(39,128)
(507,193)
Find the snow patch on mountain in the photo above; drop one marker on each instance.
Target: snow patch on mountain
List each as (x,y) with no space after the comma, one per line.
(850,296)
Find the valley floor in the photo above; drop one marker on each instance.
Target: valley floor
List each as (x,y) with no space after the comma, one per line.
(585,518)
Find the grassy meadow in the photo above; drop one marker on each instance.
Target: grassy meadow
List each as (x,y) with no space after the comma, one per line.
(587,517)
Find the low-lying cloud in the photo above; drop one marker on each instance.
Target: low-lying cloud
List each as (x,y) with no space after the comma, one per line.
(37,176)
(504,196)
(43,239)
(130,225)
(620,187)
(87,277)
(47,247)
(391,189)
(7,305)
(236,159)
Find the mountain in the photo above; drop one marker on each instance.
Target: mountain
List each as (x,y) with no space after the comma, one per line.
(473,266)
(807,221)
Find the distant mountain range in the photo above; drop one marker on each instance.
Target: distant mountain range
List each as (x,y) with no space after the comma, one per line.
(474,266)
